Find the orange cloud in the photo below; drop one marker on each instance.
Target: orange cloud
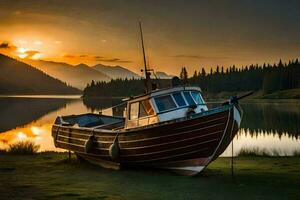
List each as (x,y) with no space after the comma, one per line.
(201,57)
(31,53)
(7,45)
(96,58)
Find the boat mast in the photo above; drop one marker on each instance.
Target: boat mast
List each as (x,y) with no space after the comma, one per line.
(147,71)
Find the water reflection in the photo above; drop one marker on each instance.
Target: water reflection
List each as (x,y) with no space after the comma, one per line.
(265,125)
(270,118)
(15,112)
(283,145)
(38,129)
(274,119)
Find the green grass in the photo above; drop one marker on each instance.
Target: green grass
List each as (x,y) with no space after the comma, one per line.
(52,176)
(256,151)
(23,148)
(296,153)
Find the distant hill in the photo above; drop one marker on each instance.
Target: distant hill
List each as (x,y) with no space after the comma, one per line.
(115,71)
(163,75)
(20,78)
(78,76)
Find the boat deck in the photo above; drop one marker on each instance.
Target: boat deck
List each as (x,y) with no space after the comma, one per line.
(93,121)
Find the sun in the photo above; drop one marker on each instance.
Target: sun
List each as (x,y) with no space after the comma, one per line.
(21,52)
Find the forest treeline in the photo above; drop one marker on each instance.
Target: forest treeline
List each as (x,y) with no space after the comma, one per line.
(267,78)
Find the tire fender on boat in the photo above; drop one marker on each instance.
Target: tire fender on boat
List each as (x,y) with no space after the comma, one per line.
(89,144)
(114,149)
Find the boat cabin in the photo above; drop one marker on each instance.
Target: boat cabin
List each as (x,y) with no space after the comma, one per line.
(155,107)
(163,105)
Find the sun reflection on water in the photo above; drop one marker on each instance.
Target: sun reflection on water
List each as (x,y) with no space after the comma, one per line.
(40,135)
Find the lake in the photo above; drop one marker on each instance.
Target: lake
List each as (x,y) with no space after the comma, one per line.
(272,126)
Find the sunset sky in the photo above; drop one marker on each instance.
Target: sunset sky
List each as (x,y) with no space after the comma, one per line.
(177,33)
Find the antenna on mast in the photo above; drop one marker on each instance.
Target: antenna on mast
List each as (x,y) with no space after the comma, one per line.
(147,71)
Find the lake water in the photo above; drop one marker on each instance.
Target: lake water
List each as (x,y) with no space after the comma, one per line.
(271,126)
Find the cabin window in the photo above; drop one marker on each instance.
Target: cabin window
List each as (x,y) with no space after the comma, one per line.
(145,108)
(189,98)
(197,97)
(165,103)
(142,112)
(179,99)
(134,110)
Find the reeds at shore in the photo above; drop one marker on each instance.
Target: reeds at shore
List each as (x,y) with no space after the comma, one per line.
(263,152)
(22,148)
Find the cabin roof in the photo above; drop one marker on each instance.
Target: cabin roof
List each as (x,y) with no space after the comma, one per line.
(163,91)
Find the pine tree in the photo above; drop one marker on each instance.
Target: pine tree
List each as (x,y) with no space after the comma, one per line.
(203,72)
(195,74)
(184,74)
(218,70)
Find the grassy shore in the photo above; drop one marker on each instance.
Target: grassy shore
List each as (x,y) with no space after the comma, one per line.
(53,176)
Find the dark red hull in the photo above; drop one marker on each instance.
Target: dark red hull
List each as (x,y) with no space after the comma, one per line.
(184,145)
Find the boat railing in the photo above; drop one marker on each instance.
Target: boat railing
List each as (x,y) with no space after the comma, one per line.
(143,121)
(116,111)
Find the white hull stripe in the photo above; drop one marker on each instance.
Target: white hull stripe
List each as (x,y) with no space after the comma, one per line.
(189,168)
(237,116)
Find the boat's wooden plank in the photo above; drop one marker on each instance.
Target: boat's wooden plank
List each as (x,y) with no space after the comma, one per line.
(198,153)
(165,138)
(169,131)
(171,145)
(74,135)
(71,147)
(208,145)
(71,140)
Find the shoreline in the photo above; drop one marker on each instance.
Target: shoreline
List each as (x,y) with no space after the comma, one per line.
(292,94)
(42,96)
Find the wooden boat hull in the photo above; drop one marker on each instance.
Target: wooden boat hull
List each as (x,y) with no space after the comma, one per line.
(185,145)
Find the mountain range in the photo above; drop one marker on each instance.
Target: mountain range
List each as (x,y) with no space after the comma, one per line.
(17,77)
(163,75)
(65,75)
(115,71)
(80,75)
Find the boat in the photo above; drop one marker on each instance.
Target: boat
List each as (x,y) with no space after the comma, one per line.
(168,128)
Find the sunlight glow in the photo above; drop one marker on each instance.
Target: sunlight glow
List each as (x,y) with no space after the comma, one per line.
(36,130)
(36,56)
(22,42)
(21,136)
(38,42)
(21,50)
(23,55)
